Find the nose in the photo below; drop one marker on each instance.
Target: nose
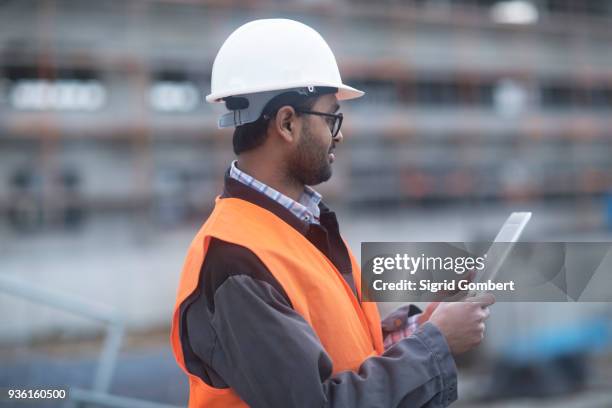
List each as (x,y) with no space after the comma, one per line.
(339,137)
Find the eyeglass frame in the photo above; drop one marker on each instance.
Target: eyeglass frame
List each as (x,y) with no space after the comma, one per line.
(338,117)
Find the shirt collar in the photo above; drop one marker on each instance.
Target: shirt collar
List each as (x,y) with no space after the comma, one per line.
(305,209)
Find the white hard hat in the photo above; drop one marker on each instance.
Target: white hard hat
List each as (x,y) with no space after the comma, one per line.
(269,57)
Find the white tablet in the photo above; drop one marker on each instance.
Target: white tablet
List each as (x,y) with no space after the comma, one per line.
(503,244)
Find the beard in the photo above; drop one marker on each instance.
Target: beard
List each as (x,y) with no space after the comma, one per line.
(310,163)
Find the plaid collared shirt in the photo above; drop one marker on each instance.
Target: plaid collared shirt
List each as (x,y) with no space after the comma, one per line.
(307,209)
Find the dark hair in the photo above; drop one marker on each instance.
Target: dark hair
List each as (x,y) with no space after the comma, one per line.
(251,135)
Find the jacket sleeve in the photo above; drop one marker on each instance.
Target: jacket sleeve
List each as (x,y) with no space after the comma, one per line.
(272,357)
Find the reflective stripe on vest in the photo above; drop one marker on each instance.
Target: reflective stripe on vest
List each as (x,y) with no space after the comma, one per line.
(350,332)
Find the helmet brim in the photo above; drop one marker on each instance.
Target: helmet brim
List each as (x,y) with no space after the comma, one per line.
(346,92)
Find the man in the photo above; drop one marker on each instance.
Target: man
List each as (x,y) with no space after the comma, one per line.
(268,312)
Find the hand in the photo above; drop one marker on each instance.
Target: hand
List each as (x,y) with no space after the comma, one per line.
(462,323)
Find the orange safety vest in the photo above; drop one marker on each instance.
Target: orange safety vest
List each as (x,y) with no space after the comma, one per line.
(349,331)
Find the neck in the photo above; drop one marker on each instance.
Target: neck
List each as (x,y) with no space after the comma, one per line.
(271,176)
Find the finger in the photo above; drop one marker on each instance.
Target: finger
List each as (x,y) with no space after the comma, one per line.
(486,299)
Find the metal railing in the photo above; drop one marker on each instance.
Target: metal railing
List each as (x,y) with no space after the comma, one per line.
(107,361)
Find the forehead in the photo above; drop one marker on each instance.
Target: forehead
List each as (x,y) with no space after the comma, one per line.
(326,103)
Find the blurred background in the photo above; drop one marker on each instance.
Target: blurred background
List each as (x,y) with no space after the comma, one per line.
(110,161)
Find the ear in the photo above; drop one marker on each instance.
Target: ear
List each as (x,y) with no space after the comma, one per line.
(286,123)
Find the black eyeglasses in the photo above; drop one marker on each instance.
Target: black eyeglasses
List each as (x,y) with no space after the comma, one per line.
(334,120)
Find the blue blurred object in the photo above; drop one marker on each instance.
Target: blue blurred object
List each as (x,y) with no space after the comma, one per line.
(583,337)
(548,362)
